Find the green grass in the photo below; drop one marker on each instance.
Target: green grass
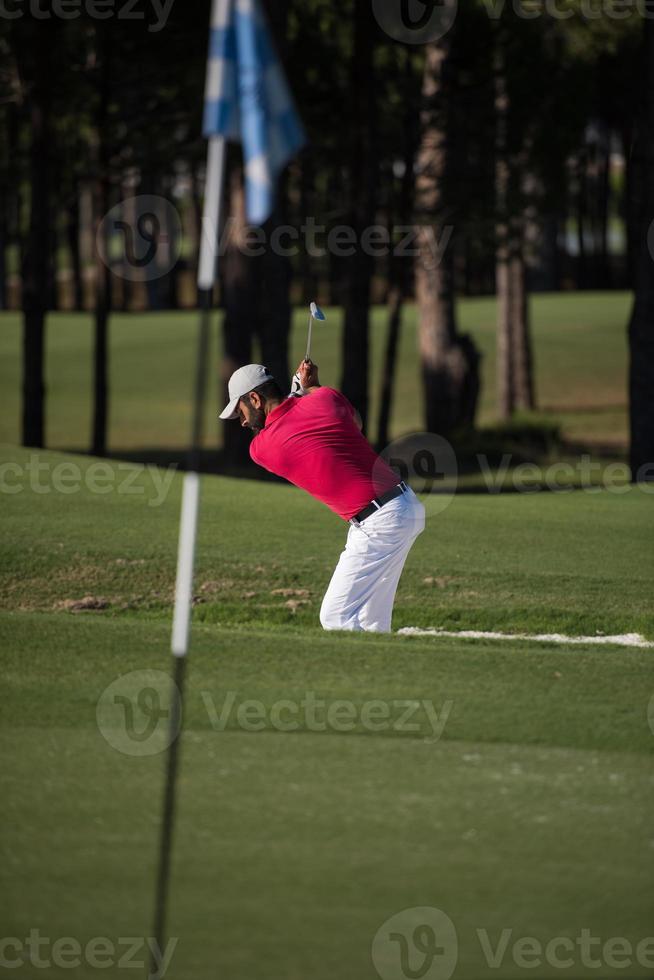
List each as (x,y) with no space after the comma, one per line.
(575,562)
(530,812)
(579,346)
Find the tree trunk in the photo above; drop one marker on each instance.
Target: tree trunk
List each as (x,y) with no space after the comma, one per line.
(504,246)
(102,274)
(306,266)
(399,266)
(53,241)
(72,235)
(255,288)
(362,185)
(88,255)
(169,281)
(604,192)
(35,265)
(395,301)
(504,340)
(550,254)
(127,289)
(515,385)
(521,335)
(273,322)
(631,218)
(154,285)
(581,220)
(513,344)
(9,198)
(4,222)
(450,361)
(641,326)
(101,339)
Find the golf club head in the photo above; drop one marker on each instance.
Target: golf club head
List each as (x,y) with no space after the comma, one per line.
(315,313)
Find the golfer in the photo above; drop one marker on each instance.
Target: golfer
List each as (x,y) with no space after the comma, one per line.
(312,438)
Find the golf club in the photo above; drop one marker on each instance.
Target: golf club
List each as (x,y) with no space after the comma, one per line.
(315,313)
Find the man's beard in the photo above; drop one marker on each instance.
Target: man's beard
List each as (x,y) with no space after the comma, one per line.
(257,421)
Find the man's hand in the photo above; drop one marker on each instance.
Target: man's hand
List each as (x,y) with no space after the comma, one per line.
(307,372)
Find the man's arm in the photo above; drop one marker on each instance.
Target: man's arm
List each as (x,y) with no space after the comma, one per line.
(307,372)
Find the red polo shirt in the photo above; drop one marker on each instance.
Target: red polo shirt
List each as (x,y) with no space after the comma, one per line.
(315,443)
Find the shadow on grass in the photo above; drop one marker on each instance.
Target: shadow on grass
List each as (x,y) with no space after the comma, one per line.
(479,453)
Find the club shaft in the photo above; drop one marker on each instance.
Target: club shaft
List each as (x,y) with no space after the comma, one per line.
(309,338)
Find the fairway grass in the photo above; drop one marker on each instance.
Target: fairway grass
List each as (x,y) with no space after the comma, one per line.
(575,563)
(519,798)
(531,812)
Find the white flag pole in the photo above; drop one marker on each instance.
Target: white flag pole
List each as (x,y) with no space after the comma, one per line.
(211,214)
(207,268)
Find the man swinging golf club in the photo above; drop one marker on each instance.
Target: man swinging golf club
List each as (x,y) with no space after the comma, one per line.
(312,438)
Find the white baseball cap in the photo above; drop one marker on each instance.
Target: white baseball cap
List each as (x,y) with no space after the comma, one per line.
(241,382)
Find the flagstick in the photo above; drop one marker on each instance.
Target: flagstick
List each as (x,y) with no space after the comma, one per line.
(188,529)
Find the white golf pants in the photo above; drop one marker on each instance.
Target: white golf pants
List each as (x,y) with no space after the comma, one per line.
(361,593)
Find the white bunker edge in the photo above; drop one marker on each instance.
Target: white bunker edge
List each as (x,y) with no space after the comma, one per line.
(621,639)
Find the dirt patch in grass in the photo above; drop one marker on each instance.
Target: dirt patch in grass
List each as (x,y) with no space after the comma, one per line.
(440,581)
(88,603)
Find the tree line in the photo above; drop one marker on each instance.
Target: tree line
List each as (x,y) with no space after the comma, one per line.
(493,146)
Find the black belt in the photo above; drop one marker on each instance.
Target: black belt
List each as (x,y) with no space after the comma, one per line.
(379,502)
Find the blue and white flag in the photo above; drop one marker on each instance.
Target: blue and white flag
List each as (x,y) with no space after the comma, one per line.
(247,99)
